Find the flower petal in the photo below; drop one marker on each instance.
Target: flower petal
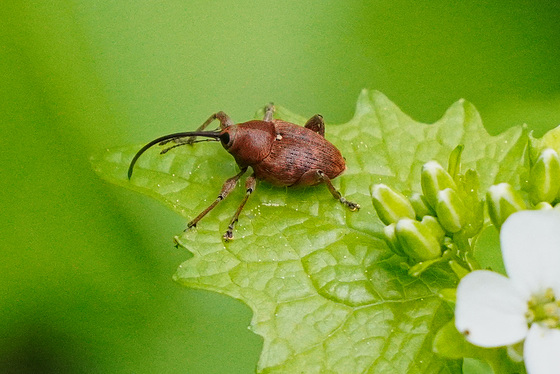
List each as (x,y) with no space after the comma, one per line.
(531,250)
(490,312)
(541,350)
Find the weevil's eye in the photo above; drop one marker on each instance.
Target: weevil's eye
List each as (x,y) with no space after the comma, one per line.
(225,139)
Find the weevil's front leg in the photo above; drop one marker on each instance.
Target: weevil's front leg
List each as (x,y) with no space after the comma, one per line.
(224,119)
(324,178)
(249,187)
(228,186)
(268,112)
(316,124)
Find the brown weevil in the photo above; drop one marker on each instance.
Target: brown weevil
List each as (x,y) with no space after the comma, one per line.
(278,152)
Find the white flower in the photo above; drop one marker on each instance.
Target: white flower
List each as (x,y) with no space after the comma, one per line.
(493,310)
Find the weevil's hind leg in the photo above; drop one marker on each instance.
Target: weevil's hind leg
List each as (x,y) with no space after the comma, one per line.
(249,187)
(268,112)
(324,178)
(228,186)
(316,124)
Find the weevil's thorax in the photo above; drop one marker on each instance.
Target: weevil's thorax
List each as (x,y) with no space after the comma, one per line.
(249,142)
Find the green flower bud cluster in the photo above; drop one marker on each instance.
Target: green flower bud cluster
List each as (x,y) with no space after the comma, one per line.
(418,240)
(542,190)
(420,227)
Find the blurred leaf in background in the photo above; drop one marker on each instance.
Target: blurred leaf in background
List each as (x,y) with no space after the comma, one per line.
(85,276)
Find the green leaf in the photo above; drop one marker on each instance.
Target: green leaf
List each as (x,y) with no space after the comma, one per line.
(487,251)
(450,343)
(326,292)
(474,366)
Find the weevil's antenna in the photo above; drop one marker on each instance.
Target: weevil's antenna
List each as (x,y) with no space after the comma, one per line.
(165,139)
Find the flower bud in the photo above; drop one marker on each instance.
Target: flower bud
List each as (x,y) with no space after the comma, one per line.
(390,205)
(435,228)
(417,240)
(433,179)
(454,163)
(450,210)
(502,201)
(391,239)
(544,179)
(421,206)
(543,205)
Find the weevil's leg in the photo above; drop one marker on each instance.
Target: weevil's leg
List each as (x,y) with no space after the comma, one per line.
(323,177)
(249,187)
(316,124)
(228,186)
(224,119)
(268,112)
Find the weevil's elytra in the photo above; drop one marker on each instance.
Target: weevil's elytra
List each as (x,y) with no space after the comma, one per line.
(301,151)
(278,152)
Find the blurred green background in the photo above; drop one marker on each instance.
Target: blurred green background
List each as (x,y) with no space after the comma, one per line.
(85,268)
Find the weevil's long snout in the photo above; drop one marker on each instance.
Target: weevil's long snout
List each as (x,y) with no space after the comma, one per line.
(166,138)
